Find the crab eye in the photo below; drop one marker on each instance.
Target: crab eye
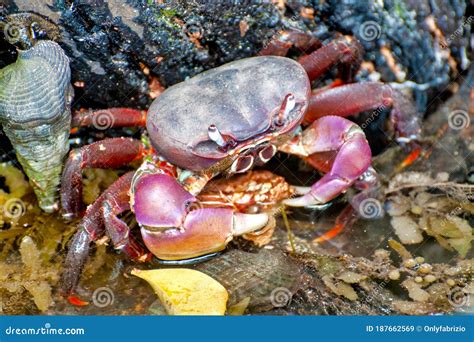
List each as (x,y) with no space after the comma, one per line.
(224,142)
(287,106)
(266,153)
(242,164)
(215,135)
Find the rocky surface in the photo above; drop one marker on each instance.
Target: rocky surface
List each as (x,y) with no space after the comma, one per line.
(120,49)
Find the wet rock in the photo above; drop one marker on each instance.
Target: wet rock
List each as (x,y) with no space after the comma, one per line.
(269,278)
(119,48)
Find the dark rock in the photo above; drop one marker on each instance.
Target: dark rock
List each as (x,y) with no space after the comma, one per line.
(114,44)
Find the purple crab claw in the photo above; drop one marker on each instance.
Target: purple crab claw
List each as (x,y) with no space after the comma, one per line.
(351,158)
(175,226)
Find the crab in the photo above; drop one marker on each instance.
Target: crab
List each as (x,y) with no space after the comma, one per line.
(225,121)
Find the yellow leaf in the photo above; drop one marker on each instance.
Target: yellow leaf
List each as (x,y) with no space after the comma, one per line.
(239,308)
(186,292)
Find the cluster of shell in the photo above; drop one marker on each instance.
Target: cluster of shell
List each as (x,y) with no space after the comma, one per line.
(35,97)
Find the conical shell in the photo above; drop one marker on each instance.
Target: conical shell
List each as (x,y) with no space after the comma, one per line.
(35,96)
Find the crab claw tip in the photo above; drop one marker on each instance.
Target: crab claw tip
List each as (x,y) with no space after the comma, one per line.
(247,223)
(302,201)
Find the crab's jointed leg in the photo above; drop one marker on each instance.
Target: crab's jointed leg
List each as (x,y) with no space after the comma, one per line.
(112,206)
(105,154)
(351,99)
(345,52)
(101,216)
(281,43)
(343,100)
(334,145)
(174,225)
(108,118)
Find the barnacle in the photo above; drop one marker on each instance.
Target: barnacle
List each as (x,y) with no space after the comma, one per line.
(35,96)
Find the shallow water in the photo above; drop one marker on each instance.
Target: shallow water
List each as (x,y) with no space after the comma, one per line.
(109,289)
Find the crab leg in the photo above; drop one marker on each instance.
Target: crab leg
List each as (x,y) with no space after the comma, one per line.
(108,118)
(349,157)
(354,98)
(108,153)
(118,231)
(175,226)
(281,43)
(92,226)
(344,51)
